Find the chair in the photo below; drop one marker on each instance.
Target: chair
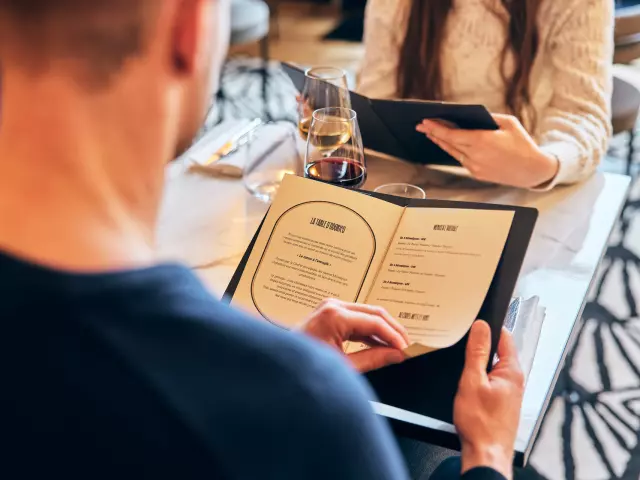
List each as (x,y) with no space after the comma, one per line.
(274,8)
(625,106)
(250,23)
(627,34)
(625,102)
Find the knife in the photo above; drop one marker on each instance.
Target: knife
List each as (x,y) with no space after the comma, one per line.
(233,143)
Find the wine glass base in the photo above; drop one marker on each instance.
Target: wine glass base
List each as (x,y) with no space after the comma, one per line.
(265,192)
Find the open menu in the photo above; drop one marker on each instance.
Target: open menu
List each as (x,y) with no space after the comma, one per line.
(431,268)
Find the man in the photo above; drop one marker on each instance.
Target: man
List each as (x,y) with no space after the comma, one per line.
(116,367)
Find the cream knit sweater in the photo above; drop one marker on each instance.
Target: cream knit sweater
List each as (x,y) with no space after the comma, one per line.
(571,80)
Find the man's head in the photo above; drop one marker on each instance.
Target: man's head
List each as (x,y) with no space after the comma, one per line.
(154,61)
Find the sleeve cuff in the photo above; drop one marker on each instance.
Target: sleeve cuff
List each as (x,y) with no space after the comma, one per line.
(482,473)
(569,157)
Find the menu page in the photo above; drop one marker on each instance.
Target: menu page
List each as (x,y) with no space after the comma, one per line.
(318,241)
(438,270)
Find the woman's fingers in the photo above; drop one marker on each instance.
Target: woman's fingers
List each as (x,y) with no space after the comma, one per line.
(506,122)
(451,150)
(454,136)
(460,153)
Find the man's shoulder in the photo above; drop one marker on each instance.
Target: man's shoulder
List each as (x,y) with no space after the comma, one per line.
(298,362)
(165,359)
(203,336)
(220,359)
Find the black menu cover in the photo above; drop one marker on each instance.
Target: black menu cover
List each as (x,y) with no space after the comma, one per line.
(388,126)
(437,374)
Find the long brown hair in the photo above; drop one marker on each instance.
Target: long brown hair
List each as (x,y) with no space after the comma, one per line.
(420,72)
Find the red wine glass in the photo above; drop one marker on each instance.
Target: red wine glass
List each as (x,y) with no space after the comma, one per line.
(334,148)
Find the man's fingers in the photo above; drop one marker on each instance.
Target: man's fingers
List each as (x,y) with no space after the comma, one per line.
(507,351)
(368,341)
(376,357)
(366,325)
(381,312)
(365,321)
(454,136)
(508,361)
(478,349)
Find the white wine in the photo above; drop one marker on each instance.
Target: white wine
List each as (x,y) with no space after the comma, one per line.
(330,134)
(303,127)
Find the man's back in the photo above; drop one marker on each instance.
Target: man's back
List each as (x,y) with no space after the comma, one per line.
(142,374)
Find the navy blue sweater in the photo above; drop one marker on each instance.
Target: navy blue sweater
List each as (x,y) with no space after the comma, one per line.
(142,374)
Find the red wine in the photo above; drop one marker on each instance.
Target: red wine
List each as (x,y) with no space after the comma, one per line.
(337,171)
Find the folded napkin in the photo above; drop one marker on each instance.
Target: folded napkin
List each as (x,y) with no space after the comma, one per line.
(231,165)
(263,144)
(524,320)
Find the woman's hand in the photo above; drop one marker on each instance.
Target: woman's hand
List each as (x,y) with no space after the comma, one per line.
(304,109)
(507,156)
(335,322)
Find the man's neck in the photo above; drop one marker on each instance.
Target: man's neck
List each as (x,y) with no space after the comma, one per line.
(78,189)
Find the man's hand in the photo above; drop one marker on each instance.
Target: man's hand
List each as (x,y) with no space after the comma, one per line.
(487,407)
(507,156)
(335,322)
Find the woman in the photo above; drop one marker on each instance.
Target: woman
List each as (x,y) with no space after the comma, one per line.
(543,67)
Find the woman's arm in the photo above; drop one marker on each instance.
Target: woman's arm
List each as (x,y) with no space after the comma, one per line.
(384,26)
(573,131)
(576,126)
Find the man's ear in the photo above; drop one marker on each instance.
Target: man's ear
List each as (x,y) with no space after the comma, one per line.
(189,35)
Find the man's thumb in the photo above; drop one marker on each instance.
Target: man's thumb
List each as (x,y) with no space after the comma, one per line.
(478,347)
(376,357)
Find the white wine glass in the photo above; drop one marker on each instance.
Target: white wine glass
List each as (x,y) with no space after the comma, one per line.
(335,153)
(323,87)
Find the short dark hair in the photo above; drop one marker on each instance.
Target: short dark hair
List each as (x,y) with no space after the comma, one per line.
(99,35)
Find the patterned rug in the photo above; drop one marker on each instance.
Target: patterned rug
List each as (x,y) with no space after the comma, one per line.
(592,428)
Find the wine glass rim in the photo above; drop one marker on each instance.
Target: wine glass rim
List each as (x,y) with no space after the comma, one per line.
(407,186)
(347,114)
(339,73)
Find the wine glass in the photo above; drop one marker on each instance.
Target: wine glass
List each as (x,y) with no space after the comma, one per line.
(272,152)
(405,190)
(323,87)
(334,148)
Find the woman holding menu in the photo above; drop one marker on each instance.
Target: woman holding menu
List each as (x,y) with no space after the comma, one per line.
(543,67)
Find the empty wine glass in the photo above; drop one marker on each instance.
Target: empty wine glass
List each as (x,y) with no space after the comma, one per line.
(405,190)
(272,153)
(323,87)
(334,148)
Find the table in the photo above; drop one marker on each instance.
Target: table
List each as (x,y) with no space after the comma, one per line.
(208,223)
